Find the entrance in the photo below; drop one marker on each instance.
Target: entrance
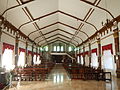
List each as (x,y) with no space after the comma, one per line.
(57,58)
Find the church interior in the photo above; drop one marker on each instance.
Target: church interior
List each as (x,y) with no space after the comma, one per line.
(59,44)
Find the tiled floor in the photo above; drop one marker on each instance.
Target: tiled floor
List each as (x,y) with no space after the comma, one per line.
(59,80)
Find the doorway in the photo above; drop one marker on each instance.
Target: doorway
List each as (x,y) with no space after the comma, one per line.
(57,58)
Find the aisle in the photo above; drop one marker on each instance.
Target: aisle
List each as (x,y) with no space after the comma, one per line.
(58,74)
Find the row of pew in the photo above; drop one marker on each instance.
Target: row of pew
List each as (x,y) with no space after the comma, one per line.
(30,73)
(77,71)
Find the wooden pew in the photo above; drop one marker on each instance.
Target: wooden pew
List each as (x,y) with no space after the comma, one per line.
(36,72)
(77,71)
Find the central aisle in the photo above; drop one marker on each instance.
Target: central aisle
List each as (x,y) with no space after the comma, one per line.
(58,74)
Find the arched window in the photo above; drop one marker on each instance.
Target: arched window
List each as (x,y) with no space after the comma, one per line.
(46,48)
(70,49)
(94,60)
(54,48)
(62,49)
(7,58)
(58,48)
(81,59)
(7,61)
(21,59)
(34,59)
(107,60)
(38,60)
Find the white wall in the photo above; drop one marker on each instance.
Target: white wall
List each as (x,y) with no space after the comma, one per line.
(94,45)
(22,44)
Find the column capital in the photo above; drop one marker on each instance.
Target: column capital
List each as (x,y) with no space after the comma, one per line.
(115,34)
(98,40)
(26,40)
(89,44)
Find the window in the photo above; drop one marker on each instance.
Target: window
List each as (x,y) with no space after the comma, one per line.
(107,60)
(62,48)
(21,59)
(81,59)
(7,62)
(46,48)
(34,59)
(94,60)
(58,48)
(38,60)
(54,48)
(41,49)
(70,49)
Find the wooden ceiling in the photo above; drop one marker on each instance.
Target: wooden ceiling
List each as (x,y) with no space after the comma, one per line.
(72,21)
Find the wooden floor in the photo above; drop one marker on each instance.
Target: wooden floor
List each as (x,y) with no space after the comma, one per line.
(59,80)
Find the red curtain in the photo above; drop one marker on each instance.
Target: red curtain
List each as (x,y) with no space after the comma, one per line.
(94,51)
(7,46)
(107,47)
(35,53)
(86,53)
(29,52)
(83,54)
(21,50)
